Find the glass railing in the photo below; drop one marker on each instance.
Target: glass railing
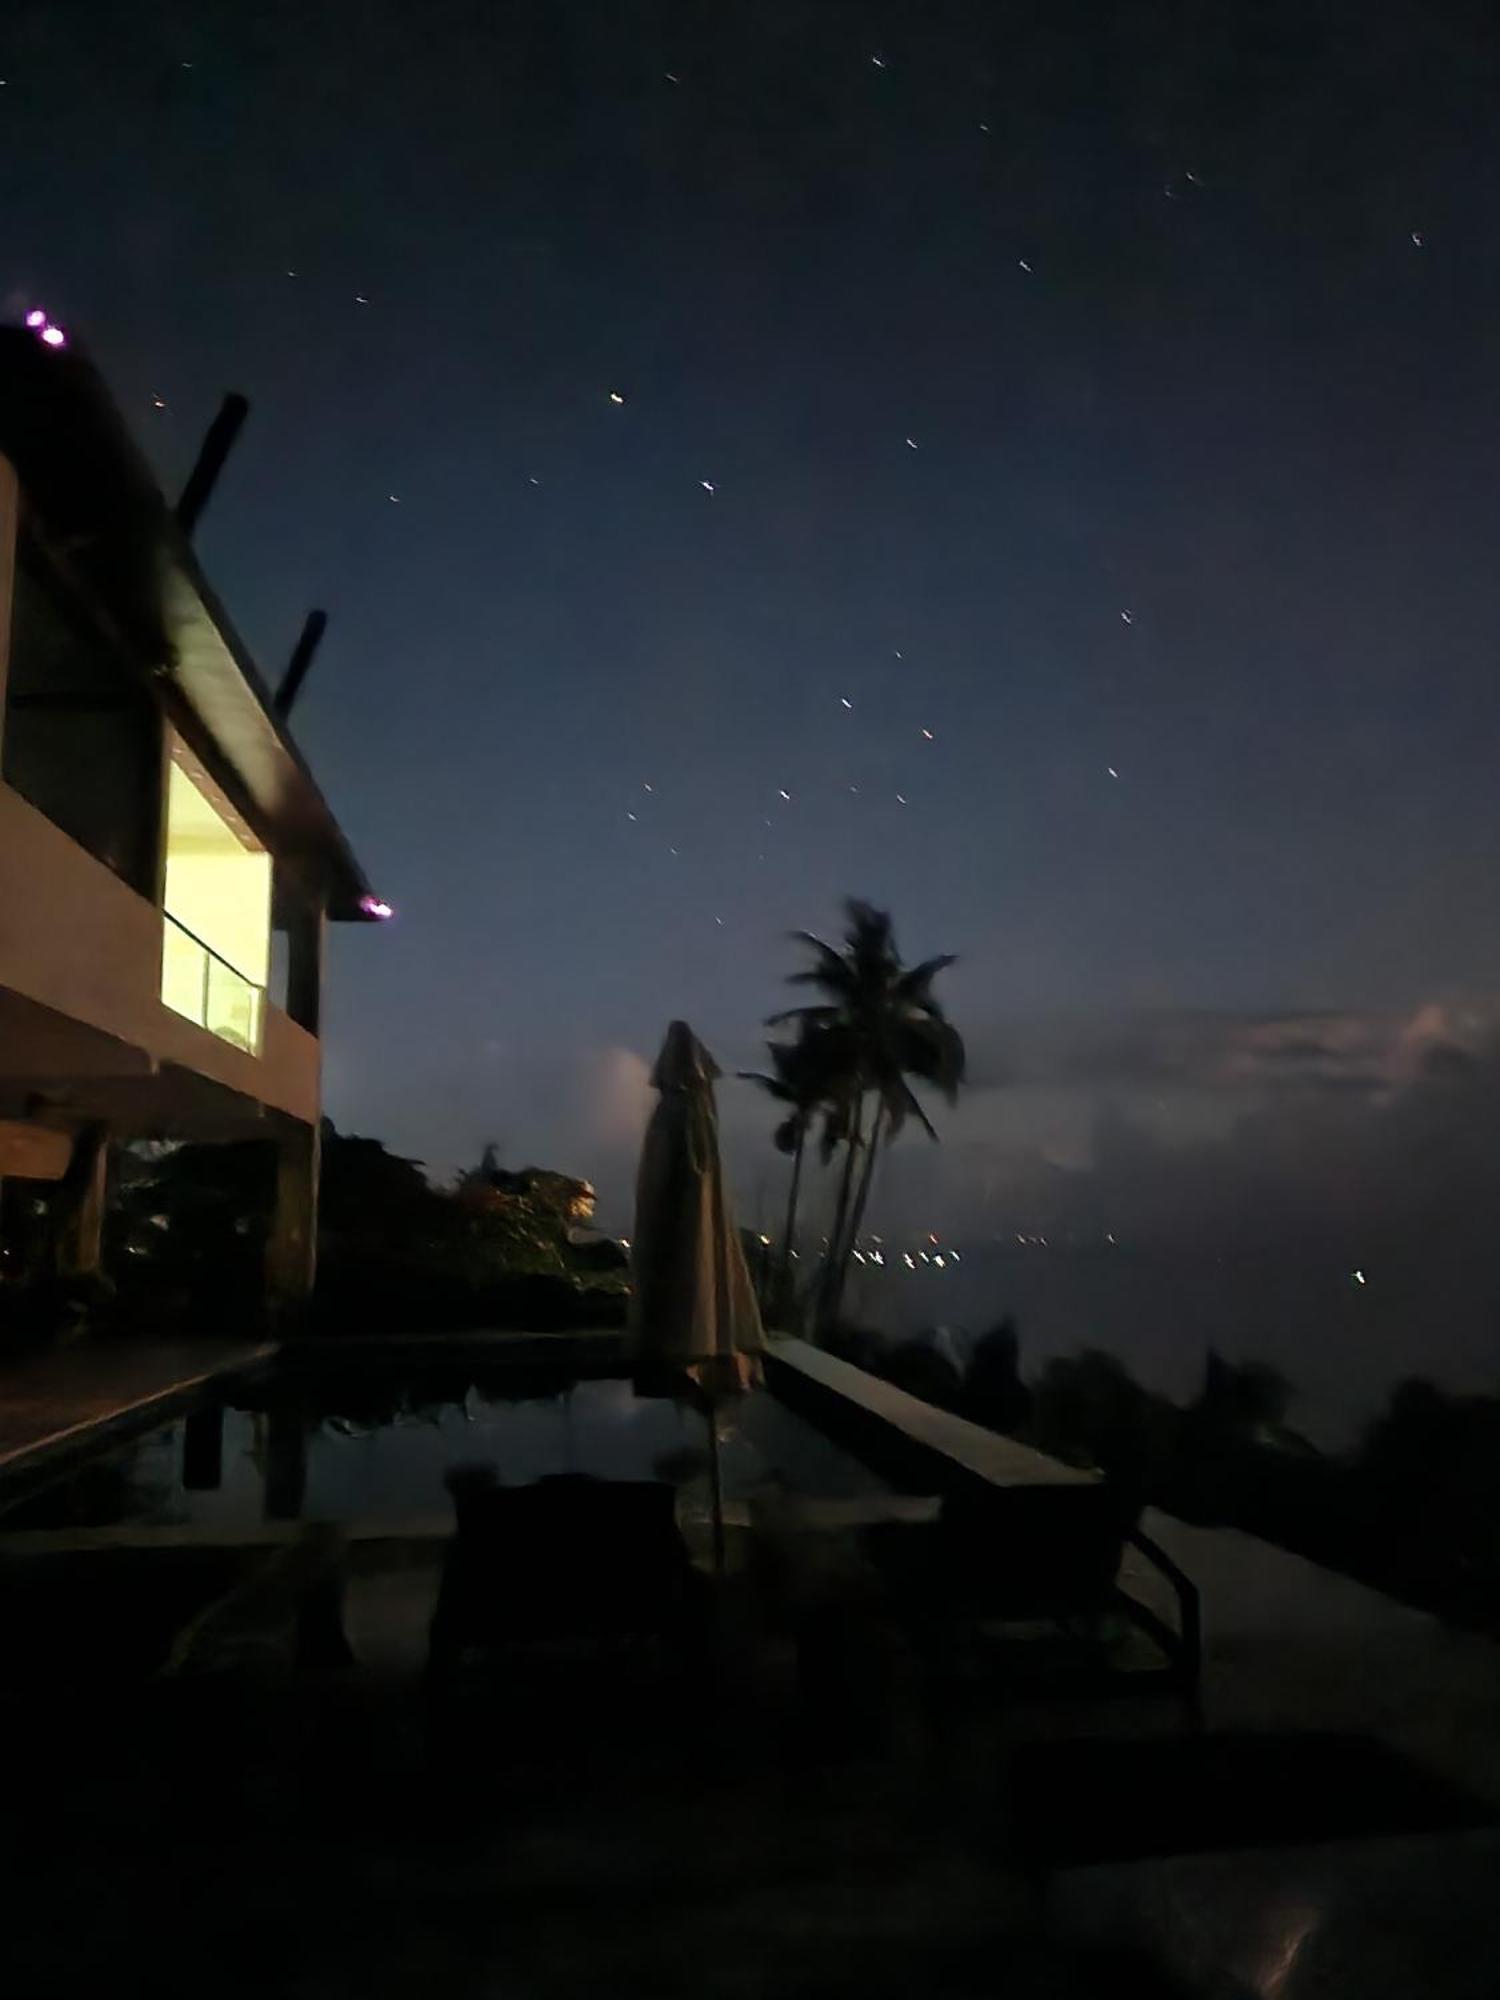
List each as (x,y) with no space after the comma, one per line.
(198,984)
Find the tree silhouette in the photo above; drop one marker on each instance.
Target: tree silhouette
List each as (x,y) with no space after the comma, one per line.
(994,1393)
(881,1028)
(805,1076)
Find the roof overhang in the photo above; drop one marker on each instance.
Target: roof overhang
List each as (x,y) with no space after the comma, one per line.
(220,683)
(92,493)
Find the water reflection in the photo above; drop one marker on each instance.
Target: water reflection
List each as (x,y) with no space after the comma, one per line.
(376,1451)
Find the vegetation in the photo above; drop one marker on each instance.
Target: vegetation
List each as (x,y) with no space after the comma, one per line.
(188,1230)
(1413,1511)
(876,1030)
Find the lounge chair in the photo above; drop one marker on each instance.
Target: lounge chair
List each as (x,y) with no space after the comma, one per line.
(1038,1556)
(568,1559)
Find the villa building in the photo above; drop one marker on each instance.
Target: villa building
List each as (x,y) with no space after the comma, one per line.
(167,863)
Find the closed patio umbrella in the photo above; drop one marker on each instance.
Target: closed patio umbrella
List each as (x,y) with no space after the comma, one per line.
(692,1307)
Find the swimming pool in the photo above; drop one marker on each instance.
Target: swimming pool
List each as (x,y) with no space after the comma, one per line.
(364,1447)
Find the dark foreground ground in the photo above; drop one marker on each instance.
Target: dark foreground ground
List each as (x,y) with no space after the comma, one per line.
(579,1825)
(219,1822)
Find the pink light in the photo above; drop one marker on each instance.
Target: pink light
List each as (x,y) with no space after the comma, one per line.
(373,907)
(36,318)
(53,336)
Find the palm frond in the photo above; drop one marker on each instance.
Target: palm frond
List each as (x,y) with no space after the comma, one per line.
(811,1016)
(913,985)
(774,1086)
(914,1106)
(790,1132)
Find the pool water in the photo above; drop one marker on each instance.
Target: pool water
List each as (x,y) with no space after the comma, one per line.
(374,1451)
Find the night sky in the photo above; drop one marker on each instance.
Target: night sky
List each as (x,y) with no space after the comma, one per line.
(1032,467)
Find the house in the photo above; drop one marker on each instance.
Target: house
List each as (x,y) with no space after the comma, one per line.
(167,862)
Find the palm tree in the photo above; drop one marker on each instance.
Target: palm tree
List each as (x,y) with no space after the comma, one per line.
(800,1079)
(880,1027)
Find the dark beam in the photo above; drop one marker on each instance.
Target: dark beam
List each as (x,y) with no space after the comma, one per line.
(217,444)
(302,658)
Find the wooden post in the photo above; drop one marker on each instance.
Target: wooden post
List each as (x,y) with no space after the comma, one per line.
(80,1221)
(10,508)
(292,1246)
(203,1449)
(286,1462)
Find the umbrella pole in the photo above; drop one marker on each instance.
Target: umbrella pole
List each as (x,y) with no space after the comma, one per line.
(718,1485)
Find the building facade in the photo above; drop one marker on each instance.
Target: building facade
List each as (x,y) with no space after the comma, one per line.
(167,864)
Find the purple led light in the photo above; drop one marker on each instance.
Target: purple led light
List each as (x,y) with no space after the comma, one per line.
(53,336)
(373,907)
(36,318)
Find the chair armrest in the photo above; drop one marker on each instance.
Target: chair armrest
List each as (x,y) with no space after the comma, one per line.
(1189,1636)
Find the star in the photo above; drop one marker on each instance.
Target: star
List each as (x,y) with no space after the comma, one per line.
(158,403)
(1111,770)
(785,795)
(1416,237)
(615,396)
(708,486)
(928,737)
(671,850)
(632,818)
(533,482)
(1023,264)
(899,656)
(291,274)
(913,444)
(877,62)
(984,128)
(900,799)
(648,788)
(845,702)
(719,921)
(854,788)
(670,78)
(1196,179)
(1126,618)
(360,299)
(394,498)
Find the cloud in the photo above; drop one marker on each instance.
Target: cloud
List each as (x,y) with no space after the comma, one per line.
(1226,1051)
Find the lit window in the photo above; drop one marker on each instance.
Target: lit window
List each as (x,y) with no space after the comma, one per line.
(216,940)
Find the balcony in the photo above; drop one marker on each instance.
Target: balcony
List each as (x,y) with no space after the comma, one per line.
(82,958)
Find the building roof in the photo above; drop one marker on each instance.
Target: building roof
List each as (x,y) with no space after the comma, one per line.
(93,494)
